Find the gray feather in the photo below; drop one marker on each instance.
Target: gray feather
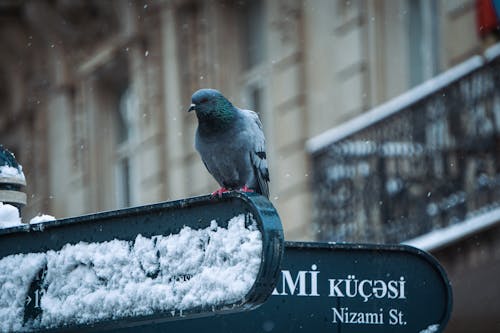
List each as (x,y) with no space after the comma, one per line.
(232,150)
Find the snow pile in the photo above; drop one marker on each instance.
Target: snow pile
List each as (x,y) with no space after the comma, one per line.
(431,329)
(9,216)
(13,173)
(87,282)
(42,218)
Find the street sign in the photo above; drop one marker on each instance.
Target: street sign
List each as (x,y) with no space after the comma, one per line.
(343,288)
(175,260)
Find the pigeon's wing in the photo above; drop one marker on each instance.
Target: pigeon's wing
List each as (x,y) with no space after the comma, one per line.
(258,153)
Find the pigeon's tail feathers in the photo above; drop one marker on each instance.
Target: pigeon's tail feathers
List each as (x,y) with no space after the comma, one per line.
(261,172)
(258,154)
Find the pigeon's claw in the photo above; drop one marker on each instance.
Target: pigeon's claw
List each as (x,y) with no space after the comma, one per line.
(246,189)
(219,192)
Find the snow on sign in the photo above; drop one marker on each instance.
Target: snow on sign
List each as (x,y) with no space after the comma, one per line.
(181,259)
(348,288)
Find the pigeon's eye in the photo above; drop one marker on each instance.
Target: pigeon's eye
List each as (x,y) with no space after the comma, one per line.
(203,100)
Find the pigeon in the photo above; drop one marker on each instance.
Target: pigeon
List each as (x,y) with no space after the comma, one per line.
(231,143)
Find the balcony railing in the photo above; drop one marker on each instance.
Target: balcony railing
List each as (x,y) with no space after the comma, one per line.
(423,161)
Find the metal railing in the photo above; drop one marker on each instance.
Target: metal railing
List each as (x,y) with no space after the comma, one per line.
(423,161)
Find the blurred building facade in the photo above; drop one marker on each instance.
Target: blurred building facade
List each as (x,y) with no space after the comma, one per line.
(93,100)
(93,94)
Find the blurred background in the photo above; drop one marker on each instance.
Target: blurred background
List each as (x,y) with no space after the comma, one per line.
(382,117)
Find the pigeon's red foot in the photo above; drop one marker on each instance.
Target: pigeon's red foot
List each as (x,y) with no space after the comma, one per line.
(246,189)
(219,192)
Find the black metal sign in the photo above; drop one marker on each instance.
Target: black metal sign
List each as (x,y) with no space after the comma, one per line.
(343,288)
(189,258)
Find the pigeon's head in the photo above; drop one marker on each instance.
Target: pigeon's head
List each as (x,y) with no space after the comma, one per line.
(210,103)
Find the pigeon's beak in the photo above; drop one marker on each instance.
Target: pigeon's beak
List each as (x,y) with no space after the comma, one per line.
(192,107)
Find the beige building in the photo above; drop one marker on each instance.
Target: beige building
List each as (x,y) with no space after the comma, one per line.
(93,96)
(93,93)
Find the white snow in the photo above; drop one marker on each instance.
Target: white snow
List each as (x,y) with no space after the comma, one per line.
(86,282)
(16,273)
(13,173)
(42,218)
(9,216)
(430,329)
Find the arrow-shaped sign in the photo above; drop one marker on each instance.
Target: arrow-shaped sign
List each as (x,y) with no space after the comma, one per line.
(348,288)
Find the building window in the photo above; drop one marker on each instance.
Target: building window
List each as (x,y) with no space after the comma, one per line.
(253,52)
(253,20)
(126,138)
(423,39)
(192,50)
